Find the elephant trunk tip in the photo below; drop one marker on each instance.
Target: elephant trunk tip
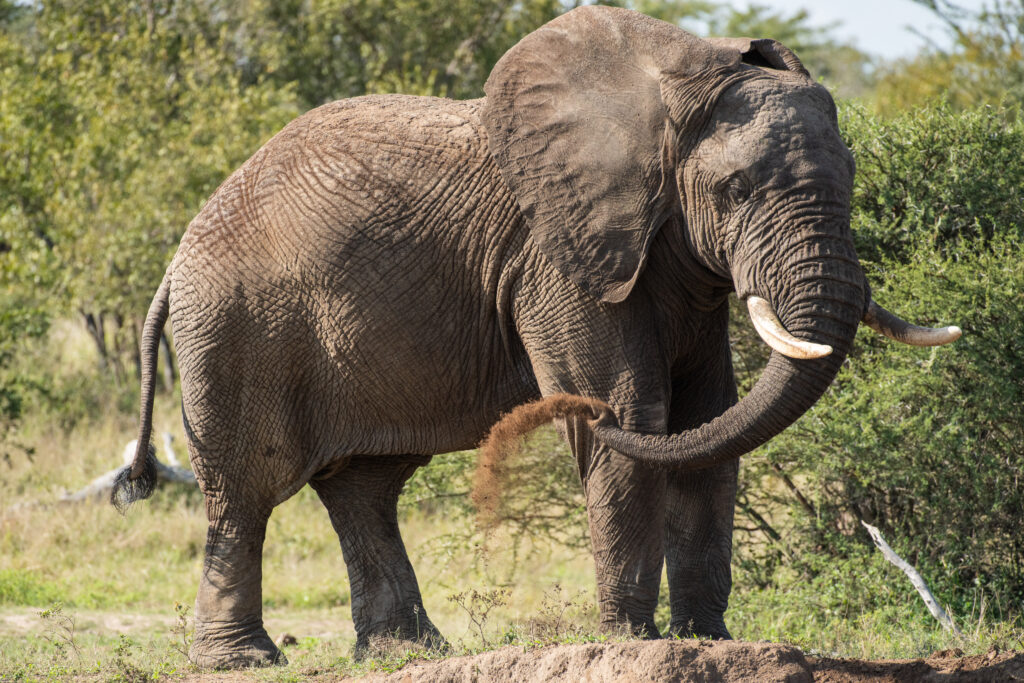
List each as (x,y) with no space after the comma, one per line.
(506,438)
(128,488)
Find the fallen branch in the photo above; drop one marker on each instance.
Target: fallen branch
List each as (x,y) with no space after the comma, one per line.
(915,578)
(172,473)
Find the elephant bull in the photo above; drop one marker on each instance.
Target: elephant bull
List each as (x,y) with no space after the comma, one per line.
(388,275)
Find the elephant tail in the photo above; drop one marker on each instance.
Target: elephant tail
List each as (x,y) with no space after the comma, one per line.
(137,480)
(506,437)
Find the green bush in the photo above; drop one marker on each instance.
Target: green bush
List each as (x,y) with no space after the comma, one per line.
(934,178)
(923,443)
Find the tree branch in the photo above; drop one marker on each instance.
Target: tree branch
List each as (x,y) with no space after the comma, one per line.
(806,504)
(915,578)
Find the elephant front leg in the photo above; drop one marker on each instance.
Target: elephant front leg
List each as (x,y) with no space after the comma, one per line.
(698,549)
(229,629)
(579,346)
(362,501)
(699,505)
(625,512)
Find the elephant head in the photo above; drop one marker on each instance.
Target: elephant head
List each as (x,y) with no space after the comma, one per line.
(610,126)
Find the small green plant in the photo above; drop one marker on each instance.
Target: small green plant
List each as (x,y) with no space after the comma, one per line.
(126,670)
(479,605)
(182,631)
(60,630)
(23,587)
(559,615)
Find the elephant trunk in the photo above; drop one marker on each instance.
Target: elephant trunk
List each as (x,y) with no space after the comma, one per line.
(822,302)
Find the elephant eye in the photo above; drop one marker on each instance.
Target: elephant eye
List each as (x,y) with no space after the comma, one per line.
(732,191)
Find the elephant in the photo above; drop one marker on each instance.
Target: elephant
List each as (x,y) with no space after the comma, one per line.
(389,275)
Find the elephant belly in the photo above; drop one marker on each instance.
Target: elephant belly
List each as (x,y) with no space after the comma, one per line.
(339,375)
(412,371)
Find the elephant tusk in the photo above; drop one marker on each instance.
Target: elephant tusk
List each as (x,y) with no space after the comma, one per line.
(777,336)
(893,327)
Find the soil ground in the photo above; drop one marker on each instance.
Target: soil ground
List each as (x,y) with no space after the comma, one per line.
(683,661)
(690,660)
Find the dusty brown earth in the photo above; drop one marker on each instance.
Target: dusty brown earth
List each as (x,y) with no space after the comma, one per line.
(685,661)
(630,661)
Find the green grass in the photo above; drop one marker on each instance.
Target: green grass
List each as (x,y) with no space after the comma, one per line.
(25,587)
(902,629)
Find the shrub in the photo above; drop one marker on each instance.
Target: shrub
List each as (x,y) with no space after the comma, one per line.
(22,587)
(934,178)
(924,443)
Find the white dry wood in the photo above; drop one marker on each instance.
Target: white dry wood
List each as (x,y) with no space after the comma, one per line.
(915,578)
(172,472)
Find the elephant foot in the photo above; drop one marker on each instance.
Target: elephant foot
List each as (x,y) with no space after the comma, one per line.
(234,646)
(644,629)
(700,631)
(396,640)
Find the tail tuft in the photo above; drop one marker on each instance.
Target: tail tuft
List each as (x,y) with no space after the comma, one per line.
(127,490)
(506,437)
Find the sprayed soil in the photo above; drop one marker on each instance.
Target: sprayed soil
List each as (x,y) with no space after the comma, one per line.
(706,662)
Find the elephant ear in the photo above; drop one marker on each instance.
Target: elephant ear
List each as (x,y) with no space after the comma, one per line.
(763,52)
(578,126)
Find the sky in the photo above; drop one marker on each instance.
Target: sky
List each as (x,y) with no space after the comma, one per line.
(878,27)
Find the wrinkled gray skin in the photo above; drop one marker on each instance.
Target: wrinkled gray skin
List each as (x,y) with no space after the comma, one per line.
(389,274)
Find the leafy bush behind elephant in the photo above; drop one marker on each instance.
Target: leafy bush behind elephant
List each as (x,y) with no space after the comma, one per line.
(920,444)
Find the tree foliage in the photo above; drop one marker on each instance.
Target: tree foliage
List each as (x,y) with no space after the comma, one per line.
(331,49)
(923,443)
(985,64)
(119,119)
(935,178)
(839,64)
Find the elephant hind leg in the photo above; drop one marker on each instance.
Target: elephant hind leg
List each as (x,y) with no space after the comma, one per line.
(229,631)
(362,500)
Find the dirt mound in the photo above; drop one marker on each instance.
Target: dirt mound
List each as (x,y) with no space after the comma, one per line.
(659,660)
(690,660)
